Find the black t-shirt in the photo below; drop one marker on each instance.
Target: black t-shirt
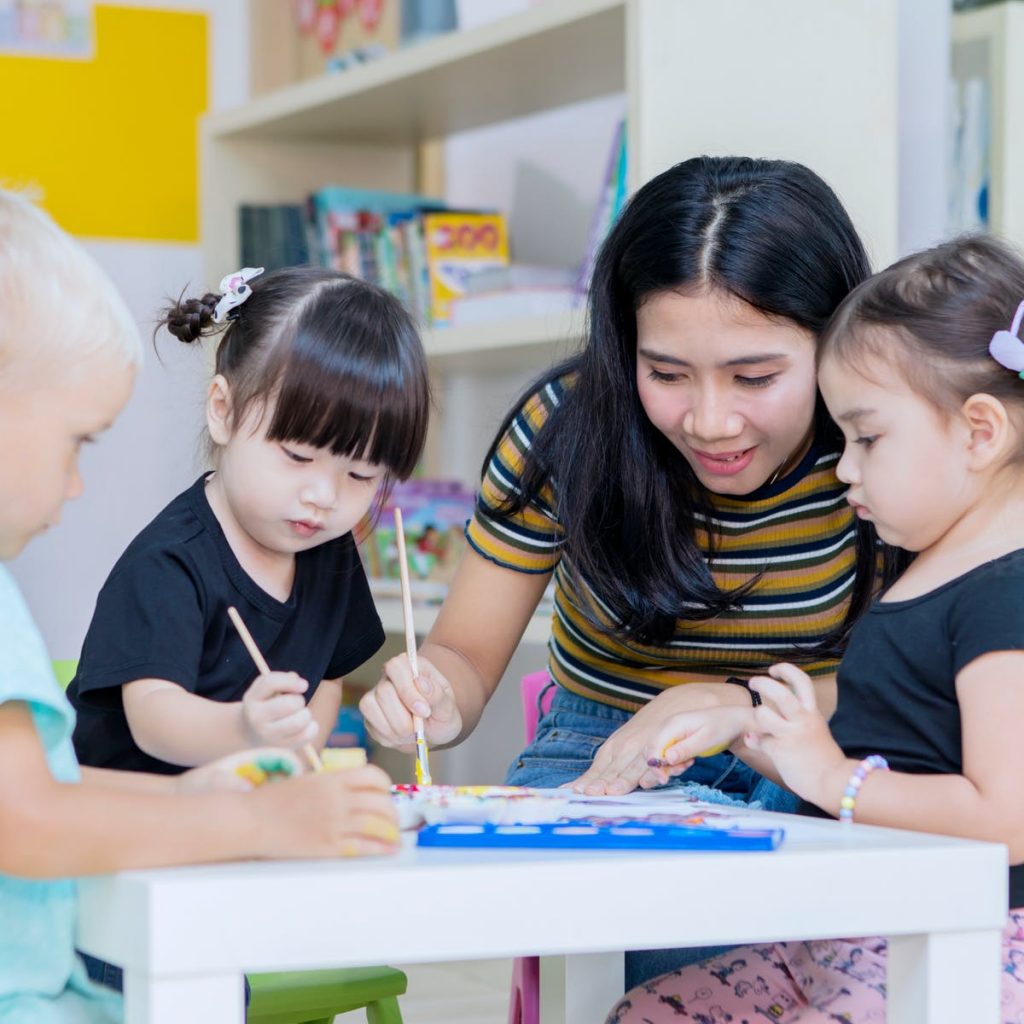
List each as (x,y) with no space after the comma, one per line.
(897,681)
(162,614)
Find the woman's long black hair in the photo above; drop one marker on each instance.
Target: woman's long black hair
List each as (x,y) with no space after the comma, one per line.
(769,232)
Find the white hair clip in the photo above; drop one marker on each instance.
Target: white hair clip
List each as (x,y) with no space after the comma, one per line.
(1006,347)
(235,292)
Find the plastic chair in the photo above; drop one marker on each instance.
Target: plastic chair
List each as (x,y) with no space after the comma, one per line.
(316,997)
(524,998)
(309,997)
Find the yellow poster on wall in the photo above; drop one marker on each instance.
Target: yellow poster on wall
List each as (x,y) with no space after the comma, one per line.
(110,144)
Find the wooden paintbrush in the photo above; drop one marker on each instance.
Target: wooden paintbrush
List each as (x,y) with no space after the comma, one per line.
(264,669)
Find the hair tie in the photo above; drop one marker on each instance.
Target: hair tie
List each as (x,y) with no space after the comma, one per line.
(234,292)
(1006,347)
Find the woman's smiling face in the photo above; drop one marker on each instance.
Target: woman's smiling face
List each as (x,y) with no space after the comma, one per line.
(733,390)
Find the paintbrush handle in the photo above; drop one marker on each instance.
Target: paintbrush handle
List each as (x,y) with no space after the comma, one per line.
(264,670)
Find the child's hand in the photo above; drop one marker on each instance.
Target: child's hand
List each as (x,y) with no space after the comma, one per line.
(329,814)
(274,711)
(389,707)
(690,734)
(223,773)
(791,730)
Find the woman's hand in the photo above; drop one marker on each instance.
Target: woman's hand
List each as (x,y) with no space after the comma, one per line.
(790,729)
(274,710)
(223,773)
(620,764)
(389,707)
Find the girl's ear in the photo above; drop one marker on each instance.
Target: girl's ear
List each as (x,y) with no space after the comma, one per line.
(990,430)
(218,410)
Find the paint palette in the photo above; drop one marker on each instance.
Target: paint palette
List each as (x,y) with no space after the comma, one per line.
(474,805)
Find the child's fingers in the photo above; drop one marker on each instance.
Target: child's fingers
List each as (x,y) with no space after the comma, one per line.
(800,682)
(779,694)
(678,733)
(283,705)
(297,728)
(769,722)
(266,686)
(370,778)
(361,846)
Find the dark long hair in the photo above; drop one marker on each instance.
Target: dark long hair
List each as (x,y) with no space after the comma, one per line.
(768,232)
(340,358)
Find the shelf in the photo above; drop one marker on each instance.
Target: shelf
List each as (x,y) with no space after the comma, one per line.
(503,344)
(509,68)
(992,36)
(390,611)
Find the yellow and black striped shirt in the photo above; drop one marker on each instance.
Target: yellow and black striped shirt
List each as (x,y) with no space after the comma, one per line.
(799,534)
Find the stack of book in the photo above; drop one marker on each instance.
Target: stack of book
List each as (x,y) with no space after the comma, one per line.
(409,244)
(447,266)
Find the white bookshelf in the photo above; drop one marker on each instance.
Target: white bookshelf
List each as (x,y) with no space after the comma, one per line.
(796,79)
(990,39)
(503,344)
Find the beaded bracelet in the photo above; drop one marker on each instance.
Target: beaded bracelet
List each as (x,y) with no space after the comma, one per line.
(860,773)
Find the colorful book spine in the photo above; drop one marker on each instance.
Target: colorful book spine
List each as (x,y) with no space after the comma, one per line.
(457,245)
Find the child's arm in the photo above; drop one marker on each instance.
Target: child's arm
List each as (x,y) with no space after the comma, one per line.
(51,829)
(324,706)
(179,727)
(982,803)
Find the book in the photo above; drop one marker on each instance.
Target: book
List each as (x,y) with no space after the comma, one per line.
(609,205)
(516,302)
(459,244)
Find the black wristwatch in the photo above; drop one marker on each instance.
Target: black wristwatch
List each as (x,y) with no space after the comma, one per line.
(755,697)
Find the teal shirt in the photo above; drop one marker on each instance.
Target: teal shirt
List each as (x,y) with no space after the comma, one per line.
(42,981)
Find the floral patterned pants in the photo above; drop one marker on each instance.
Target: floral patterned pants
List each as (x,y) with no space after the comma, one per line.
(833,981)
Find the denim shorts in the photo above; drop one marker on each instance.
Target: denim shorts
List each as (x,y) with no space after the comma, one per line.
(568,737)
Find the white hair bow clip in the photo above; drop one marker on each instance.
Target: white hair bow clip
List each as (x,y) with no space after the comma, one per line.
(235,290)
(1006,347)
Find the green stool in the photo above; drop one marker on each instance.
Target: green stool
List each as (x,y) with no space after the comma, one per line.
(315,997)
(65,671)
(309,997)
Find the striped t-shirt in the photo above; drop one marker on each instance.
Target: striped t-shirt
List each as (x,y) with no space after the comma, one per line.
(798,533)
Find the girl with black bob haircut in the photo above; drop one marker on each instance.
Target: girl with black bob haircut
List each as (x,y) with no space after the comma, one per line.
(319,401)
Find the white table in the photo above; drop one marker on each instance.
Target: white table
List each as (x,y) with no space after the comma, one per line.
(185,935)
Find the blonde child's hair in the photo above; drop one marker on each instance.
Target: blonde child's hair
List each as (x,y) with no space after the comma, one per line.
(55,301)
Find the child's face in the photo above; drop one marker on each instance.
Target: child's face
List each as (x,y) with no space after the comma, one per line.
(905,463)
(290,497)
(43,425)
(732,390)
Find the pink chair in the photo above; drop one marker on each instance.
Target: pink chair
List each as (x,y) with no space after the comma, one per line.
(524,999)
(530,689)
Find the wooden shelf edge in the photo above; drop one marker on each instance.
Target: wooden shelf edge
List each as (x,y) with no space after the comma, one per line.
(259,115)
